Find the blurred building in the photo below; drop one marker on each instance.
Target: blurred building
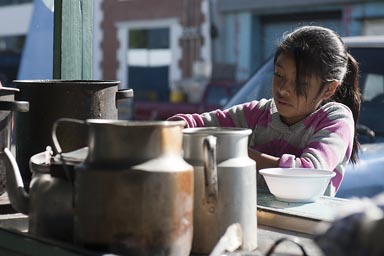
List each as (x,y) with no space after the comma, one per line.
(250,29)
(152,44)
(15,17)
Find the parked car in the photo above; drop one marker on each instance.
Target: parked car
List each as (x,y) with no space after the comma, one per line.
(366,178)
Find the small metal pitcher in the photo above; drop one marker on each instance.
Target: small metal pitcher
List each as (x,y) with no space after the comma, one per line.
(225,185)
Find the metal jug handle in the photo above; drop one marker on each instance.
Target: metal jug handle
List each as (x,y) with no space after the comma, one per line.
(283,239)
(210,168)
(56,144)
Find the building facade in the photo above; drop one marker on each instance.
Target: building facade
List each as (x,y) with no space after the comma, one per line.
(150,45)
(250,29)
(15,19)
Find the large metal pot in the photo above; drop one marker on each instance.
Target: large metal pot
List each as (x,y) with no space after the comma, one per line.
(53,99)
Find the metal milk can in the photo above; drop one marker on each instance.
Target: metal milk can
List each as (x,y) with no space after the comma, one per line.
(225,185)
(134,191)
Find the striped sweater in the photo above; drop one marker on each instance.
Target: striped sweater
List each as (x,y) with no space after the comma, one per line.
(323,140)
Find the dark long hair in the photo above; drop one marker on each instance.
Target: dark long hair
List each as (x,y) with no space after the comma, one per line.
(321,52)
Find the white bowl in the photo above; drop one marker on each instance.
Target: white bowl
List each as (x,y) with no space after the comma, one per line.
(297,184)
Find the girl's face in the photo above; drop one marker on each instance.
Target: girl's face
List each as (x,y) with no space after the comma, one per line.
(291,107)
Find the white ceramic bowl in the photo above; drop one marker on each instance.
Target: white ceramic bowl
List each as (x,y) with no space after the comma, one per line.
(297,184)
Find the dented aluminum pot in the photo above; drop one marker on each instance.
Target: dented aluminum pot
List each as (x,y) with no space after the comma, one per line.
(225,185)
(134,191)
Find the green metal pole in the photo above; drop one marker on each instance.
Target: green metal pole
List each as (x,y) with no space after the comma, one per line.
(72,47)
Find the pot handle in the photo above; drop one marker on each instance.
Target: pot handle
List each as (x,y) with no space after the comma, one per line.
(124,94)
(279,241)
(210,168)
(20,106)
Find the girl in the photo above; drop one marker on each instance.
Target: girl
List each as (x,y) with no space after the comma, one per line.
(311,120)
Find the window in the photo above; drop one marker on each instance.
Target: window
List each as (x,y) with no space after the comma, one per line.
(149,47)
(371,71)
(149,58)
(374,87)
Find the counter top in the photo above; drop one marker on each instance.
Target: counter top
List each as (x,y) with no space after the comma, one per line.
(299,217)
(276,220)
(14,243)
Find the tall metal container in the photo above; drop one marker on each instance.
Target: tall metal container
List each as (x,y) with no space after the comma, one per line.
(134,191)
(225,185)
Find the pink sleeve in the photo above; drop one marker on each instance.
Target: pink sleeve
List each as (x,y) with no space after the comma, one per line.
(243,115)
(192,120)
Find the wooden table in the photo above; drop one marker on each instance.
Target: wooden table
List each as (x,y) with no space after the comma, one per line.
(275,219)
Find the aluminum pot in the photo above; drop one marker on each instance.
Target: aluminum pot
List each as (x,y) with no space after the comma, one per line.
(225,185)
(53,99)
(134,191)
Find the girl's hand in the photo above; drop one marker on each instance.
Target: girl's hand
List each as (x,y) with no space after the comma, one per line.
(178,119)
(263,160)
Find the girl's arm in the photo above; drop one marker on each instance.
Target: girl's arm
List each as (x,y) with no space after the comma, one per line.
(263,160)
(330,146)
(245,115)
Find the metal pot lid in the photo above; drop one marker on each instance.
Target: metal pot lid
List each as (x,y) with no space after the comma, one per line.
(73,157)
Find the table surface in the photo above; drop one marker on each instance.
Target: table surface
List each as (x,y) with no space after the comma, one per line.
(14,242)
(14,226)
(14,239)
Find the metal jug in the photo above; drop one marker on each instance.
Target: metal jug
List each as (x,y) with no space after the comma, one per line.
(225,185)
(134,191)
